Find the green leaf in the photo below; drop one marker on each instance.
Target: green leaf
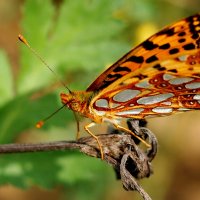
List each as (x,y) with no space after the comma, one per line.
(36,23)
(6,83)
(69,39)
(51,169)
(23,112)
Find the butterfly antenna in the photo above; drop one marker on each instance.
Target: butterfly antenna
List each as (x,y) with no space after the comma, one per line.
(41,122)
(23,40)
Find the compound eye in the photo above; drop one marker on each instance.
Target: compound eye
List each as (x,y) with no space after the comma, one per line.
(75,106)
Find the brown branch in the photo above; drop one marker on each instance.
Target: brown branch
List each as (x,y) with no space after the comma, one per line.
(120,150)
(113,145)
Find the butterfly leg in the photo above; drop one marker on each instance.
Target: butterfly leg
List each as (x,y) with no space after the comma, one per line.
(77,135)
(129,131)
(78,130)
(95,137)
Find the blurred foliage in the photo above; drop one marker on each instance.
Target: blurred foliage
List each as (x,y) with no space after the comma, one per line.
(6,80)
(77,39)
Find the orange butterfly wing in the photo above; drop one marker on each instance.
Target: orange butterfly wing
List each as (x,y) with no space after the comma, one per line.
(178,39)
(160,76)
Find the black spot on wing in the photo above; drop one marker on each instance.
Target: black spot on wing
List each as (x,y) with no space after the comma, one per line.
(151,59)
(110,79)
(182,34)
(172,70)
(165,46)
(149,45)
(173,51)
(136,59)
(167,31)
(195,36)
(141,76)
(189,46)
(122,69)
(181,40)
(105,84)
(159,67)
(115,76)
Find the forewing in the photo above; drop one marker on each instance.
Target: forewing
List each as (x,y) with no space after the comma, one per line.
(179,39)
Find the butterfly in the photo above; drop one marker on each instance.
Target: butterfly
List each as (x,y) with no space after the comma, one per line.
(159,77)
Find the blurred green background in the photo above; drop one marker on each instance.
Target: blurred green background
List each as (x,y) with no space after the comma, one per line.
(79,39)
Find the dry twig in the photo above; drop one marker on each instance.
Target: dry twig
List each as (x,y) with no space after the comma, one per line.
(120,150)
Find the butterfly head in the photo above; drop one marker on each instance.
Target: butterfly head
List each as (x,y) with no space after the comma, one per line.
(76,101)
